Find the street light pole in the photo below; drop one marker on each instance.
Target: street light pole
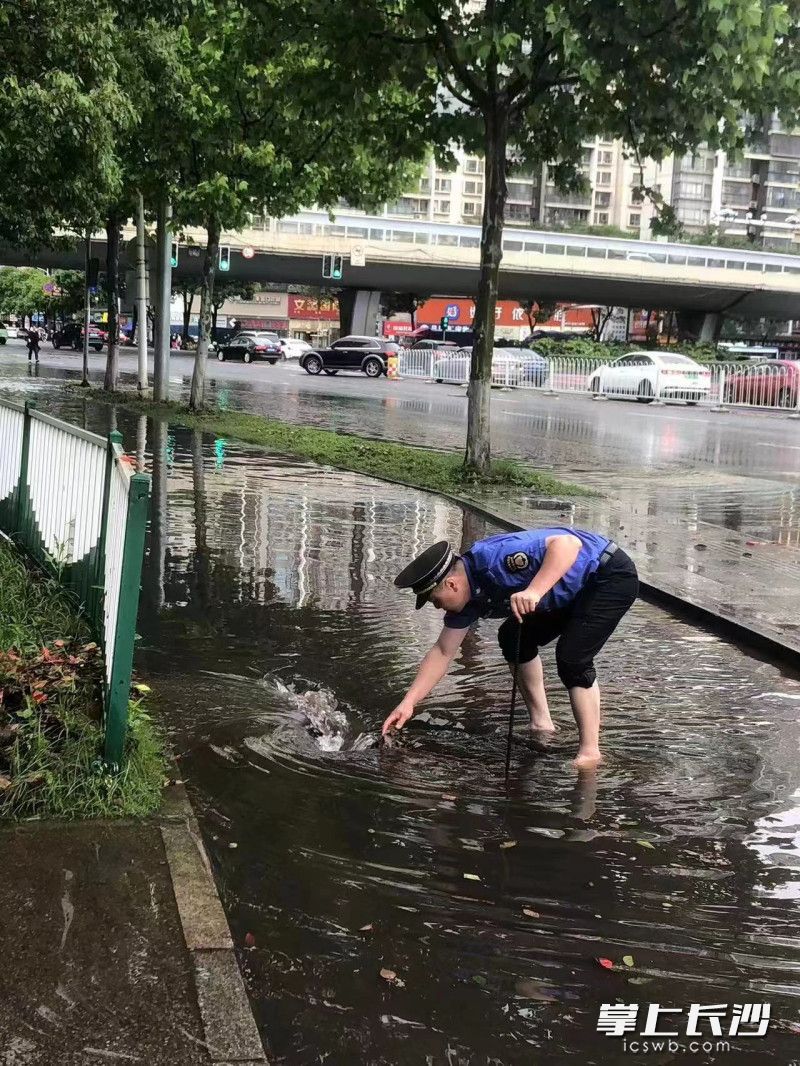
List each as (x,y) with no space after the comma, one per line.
(87,309)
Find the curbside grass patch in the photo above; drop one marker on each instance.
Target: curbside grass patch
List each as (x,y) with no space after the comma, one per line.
(50,706)
(421,467)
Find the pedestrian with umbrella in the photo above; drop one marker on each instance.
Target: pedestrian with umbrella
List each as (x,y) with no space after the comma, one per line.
(560,584)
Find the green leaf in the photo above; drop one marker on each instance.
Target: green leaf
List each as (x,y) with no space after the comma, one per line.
(628,960)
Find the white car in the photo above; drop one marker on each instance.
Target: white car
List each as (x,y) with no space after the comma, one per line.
(294,348)
(648,376)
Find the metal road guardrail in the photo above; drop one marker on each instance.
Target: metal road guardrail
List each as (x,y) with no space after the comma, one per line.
(71,500)
(765,384)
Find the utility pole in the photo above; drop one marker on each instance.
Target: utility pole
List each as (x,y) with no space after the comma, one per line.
(87,309)
(163,301)
(141,296)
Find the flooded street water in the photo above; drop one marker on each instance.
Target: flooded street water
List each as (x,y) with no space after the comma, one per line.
(276,644)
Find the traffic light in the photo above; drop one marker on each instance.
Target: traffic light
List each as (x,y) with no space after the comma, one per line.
(94,273)
(332,267)
(173,255)
(224,258)
(445,322)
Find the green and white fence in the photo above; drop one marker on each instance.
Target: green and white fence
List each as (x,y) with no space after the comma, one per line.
(71,500)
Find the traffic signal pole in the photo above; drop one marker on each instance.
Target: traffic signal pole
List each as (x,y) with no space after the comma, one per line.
(141,297)
(163,302)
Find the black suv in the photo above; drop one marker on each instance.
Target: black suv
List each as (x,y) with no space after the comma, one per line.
(368,354)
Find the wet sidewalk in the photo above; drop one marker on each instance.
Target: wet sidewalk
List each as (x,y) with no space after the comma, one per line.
(95,968)
(115,947)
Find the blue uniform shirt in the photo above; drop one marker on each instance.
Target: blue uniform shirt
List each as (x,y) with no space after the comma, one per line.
(507,563)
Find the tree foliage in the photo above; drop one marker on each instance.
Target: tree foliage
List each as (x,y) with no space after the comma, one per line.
(525,82)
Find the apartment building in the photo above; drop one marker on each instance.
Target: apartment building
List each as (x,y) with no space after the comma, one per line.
(456,195)
(756,195)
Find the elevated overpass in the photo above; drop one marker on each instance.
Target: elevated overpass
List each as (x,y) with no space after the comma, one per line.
(433,258)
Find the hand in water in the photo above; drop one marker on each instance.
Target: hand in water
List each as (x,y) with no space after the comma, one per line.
(398,718)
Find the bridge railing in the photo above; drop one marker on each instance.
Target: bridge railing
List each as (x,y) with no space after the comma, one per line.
(71,501)
(765,384)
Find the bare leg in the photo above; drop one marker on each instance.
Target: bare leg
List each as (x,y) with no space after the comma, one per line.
(586,708)
(531,684)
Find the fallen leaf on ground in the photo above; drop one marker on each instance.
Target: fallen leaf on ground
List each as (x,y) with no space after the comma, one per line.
(249,940)
(607,964)
(628,960)
(139,687)
(530,913)
(472,877)
(58,643)
(646,844)
(5,782)
(509,844)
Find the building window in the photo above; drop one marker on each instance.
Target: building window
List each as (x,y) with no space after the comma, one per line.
(586,156)
(605,158)
(634,220)
(443,184)
(473,165)
(469,208)
(425,185)
(442,207)
(637,196)
(473,188)
(410,206)
(602,199)
(519,190)
(518,212)
(603,177)
(694,190)
(601,218)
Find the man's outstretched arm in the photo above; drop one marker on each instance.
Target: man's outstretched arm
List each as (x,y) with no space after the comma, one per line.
(431,671)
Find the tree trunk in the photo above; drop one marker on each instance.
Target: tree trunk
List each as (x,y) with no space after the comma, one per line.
(478,454)
(112,292)
(214,314)
(206,303)
(187,312)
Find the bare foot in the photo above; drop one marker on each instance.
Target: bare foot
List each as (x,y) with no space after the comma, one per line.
(587,760)
(544,725)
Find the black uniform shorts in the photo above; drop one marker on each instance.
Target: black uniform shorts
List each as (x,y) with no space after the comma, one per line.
(582,628)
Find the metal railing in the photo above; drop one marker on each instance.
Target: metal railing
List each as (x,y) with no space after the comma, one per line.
(373,228)
(71,500)
(770,385)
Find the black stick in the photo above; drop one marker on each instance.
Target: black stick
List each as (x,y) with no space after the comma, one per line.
(513,699)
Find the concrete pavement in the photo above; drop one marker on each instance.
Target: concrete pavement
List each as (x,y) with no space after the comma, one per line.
(708,504)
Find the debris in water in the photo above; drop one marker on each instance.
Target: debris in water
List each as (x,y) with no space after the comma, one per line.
(392,978)
(368,928)
(628,960)
(249,940)
(508,844)
(472,877)
(607,964)
(530,913)
(646,844)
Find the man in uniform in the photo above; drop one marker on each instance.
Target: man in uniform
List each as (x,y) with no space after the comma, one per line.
(559,582)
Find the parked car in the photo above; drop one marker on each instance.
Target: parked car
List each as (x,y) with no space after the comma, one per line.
(250,345)
(769,383)
(71,336)
(293,348)
(430,345)
(368,354)
(647,376)
(510,366)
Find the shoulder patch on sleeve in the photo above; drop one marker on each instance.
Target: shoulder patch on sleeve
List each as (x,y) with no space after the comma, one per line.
(517,561)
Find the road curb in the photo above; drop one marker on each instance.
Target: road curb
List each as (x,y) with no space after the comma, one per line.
(231,1034)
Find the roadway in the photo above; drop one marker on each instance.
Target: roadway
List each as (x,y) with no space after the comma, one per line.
(587,440)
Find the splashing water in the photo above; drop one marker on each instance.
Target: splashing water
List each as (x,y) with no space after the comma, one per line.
(325,719)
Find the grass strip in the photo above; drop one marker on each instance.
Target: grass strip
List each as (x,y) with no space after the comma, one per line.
(421,467)
(50,705)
